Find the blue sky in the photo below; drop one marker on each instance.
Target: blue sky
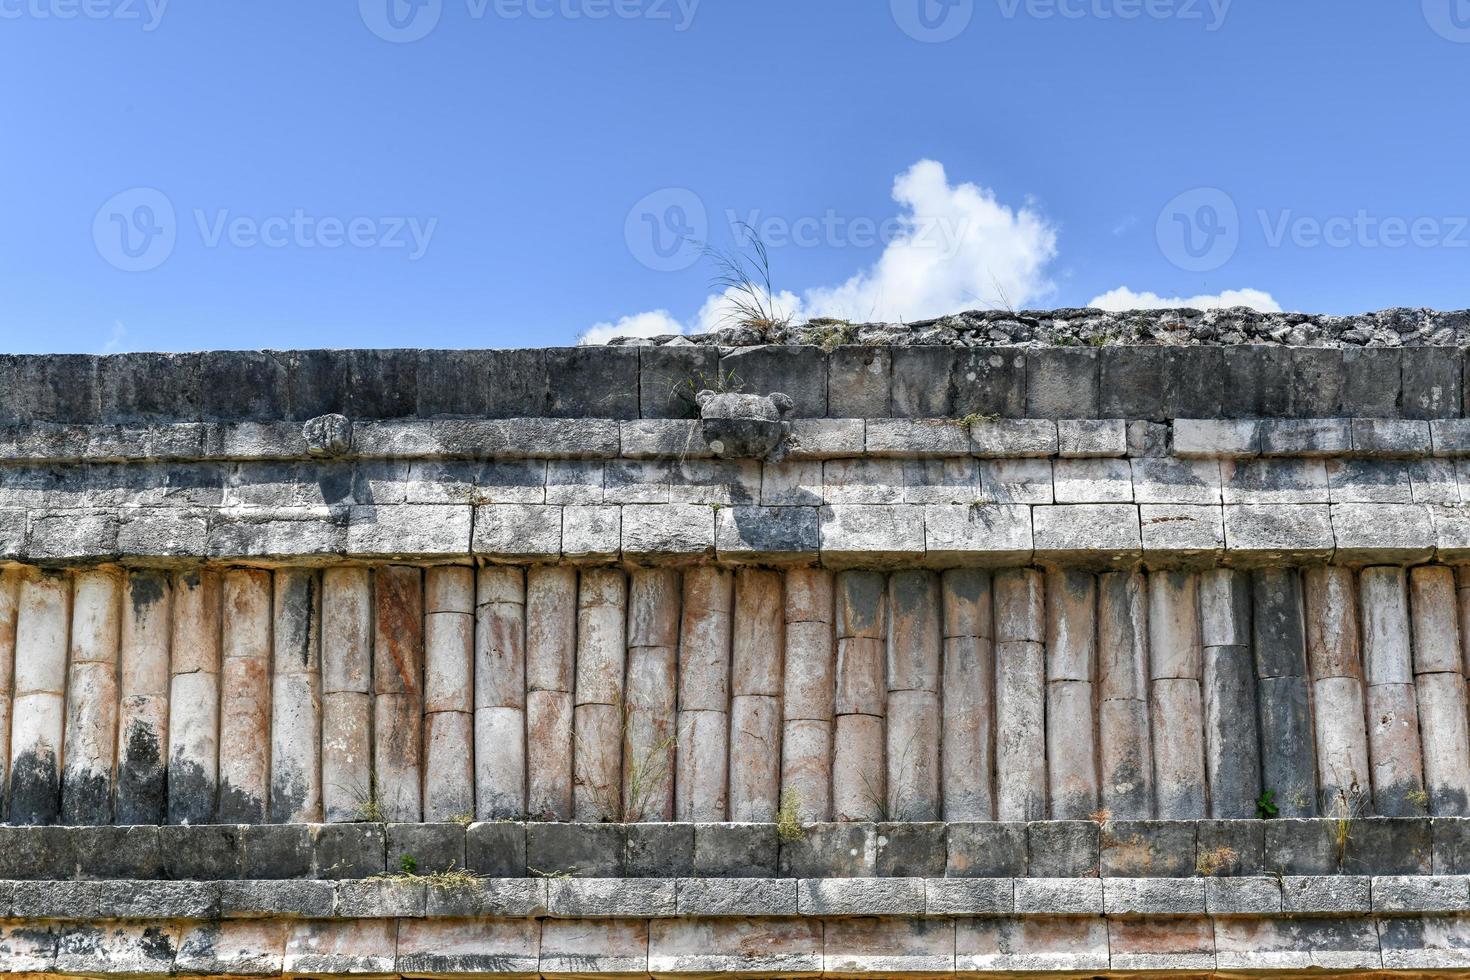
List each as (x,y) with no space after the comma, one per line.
(186,174)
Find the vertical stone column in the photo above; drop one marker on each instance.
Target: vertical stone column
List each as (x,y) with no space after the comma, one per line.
(9,607)
(245,697)
(1020,696)
(1394,750)
(654,604)
(1232,736)
(915,642)
(500,695)
(147,625)
(701,786)
(1439,679)
(1071,651)
(755,703)
(347,689)
(194,669)
(90,745)
(449,698)
(551,650)
(859,772)
(1278,630)
(1176,665)
(296,710)
(968,750)
(1125,747)
(39,717)
(808,695)
(1344,783)
(398,692)
(601,664)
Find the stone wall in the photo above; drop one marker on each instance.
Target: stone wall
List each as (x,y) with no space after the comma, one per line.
(713,694)
(1063,643)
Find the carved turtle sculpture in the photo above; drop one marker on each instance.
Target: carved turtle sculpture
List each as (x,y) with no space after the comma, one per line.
(328,436)
(746,426)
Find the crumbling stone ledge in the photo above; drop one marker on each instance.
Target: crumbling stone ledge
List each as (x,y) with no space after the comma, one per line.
(1176,849)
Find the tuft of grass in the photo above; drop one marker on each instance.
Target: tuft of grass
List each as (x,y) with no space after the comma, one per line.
(830,334)
(744,280)
(1101,817)
(450,877)
(721,383)
(645,776)
(788,818)
(463,819)
(409,864)
(553,875)
(1212,862)
(1418,798)
(975,418)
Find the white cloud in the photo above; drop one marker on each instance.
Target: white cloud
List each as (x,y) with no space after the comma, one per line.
(1124,298)
(655,323)
(956,247)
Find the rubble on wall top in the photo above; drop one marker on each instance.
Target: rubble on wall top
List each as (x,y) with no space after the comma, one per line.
(1400,327)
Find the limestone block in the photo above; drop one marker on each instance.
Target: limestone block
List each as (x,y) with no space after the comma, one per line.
(1378,531)
(968,750)
(9,608)
(1168,480)
(792,483)
(1019,606)
(1446,743)
(914,632)
(1125,761)
(755,762)
(398,663)
(1071,750)
(1342,745)
(597,774)
(244,714)
(1269,532)
(431,530)
(449,641)
(1369,481)
(809,683)
(500,640)
(1178,944)
(866,532)
(600,637)
(705,640)
(1020,749)
(1071,612)
(551,628)
(92,702)
(913,740)
(517,531)
(701,793)
(1173,624)
(735,947)
(591,532)
(916,437)
(967,605)
(347,756)
(1031,944)
(1084,438)
(859,784)
(438,947)
(1279,627)
(1232,737)
(1015,481)
(1288,759)
(296,790)
(147,616)
(651,733)
(1087,529)
(888,947)
(1391,437)
(1011,438)
(576,947)
(1394,749)
(1122,645)
(342,946)
(1225,608)
(1059,896)
(449,772)
(941,481)
(806,767)
(1332,623)
(757,633)
(668,530)
(1383,601)
(985,532)
(549,755)
(1436,632)
(1092,481)
(194,699)
(575,481)
(1217,438)
(1305,437)
(1182,530)
(1274,481)
(1177,717)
